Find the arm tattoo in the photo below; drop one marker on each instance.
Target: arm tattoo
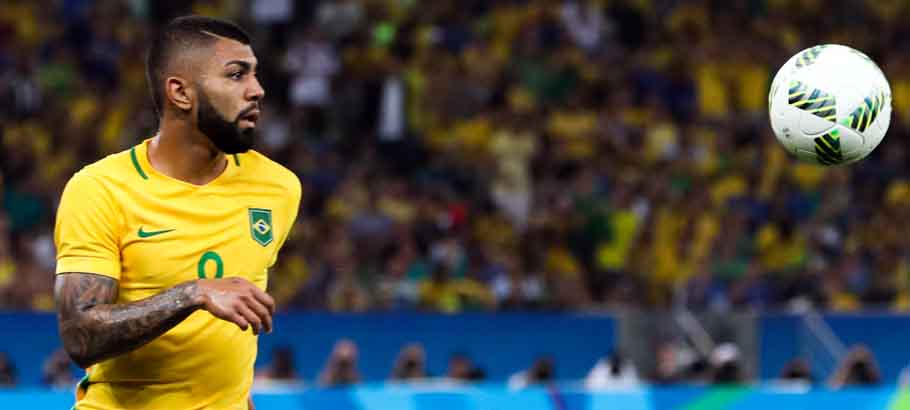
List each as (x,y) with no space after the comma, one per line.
(94,328)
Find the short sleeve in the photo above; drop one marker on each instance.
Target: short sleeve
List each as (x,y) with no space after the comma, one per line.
(293,208)
(86,230)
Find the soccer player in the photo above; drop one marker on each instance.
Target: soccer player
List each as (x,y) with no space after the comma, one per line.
(163,250)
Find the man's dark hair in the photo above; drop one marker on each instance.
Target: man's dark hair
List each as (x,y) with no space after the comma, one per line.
(183,34)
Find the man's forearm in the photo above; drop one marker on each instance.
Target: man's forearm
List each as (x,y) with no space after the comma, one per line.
(93,328)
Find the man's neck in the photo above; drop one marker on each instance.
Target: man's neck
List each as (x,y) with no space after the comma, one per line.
(182,152)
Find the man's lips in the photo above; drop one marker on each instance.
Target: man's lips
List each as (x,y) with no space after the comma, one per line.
(251,116)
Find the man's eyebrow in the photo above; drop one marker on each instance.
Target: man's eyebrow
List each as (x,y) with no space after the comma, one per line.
(246,66)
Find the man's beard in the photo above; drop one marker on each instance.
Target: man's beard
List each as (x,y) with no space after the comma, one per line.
(226,135)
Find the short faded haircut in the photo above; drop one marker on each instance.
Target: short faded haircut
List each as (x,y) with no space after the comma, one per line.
(178,36)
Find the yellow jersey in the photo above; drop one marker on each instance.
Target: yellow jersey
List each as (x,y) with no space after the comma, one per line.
(120,218)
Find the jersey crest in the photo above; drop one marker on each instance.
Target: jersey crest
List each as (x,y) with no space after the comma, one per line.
(261,225)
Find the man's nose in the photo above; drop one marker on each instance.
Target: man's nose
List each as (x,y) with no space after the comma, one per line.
(255,92)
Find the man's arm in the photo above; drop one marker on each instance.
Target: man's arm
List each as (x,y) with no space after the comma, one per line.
(94,328)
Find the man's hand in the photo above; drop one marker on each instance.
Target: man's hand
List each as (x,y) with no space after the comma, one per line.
(238,301)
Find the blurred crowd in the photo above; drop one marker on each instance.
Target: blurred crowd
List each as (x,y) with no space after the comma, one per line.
(510,154)
(675,365)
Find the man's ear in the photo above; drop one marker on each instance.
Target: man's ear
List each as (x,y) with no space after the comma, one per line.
(179,92)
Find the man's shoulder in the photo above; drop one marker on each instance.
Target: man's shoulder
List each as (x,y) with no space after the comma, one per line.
(113,168)
(102,183)
(270,171)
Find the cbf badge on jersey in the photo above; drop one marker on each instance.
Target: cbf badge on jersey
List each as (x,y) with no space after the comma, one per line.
(261,225)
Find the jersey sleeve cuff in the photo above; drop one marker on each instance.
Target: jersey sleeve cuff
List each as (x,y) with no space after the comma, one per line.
(89,265)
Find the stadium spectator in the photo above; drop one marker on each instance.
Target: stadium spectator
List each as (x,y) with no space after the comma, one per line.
(341,367)
(667,368)
(7,261)
(542,371)
(796,372)
(613,371)
(460,368)
(726,364)
(858,368)
(698,370)
(311,62)
(440,292)
(7,371)
(410,364)
(584,22)
(57,372)
(477,374)
(282,368)
(340,18)
(515,286)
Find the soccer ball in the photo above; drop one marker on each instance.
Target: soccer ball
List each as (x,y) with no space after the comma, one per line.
(830,104)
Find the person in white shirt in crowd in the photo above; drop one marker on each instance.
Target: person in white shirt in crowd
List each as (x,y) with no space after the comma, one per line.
(611,372)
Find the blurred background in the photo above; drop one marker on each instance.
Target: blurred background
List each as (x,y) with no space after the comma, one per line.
(570,202)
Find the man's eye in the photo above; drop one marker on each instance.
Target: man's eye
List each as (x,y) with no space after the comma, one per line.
(236,76)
